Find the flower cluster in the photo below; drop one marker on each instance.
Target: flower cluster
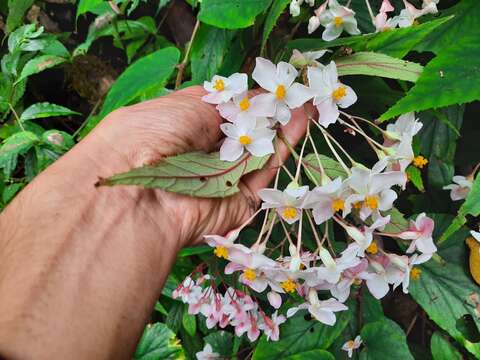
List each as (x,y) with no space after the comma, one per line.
(360,201)
(337,19)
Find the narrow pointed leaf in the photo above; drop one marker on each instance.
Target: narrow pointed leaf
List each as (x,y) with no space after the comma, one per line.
(195,174)
(45,109)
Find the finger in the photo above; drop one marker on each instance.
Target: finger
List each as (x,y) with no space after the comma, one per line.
(293,132)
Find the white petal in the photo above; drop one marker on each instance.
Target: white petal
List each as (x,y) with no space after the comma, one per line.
(274,299)
(377,286)
(238,83)
(349,99)
(230,130)
(286,73)
(387,197)
(350,25)
(228,110)
(331,32)
(282,113)
(271,196)
(265,74)
(260,147)
(297,95)
(230,150)
(326,317)
(263,105)
(323,212)
(327,113)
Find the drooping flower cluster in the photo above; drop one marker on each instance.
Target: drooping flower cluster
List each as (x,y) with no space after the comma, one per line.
(359,199)
(336,18)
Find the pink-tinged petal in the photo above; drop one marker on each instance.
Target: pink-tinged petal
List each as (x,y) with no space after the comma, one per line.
(282,113)
(263,105)
(386,180)
(349,99)
(260,147)
(377,286)
(265,74)
(286,73)
(259,284)
(333,305)
(228,110)
(238,83)
(325,317)
(297,95)
(323,212)
(426,245)
(331,32)
(233,267)
(214,98)
(350,25)
(386,6)
(271,196)
(274,299)
(230,150)
(327,113)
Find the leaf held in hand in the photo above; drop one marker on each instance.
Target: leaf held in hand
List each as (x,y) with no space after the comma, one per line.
(195,174)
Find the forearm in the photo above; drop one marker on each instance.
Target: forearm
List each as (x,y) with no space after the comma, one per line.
(75,261)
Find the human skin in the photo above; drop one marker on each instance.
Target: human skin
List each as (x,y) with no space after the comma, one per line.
(82,266)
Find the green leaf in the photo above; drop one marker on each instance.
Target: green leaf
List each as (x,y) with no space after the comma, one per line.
(442,349)
(332,168)
(38,64)
(194,250)
(144,74)
(375,64)
(97,7)
(189,323)
(298,336)
(160,308)
(194,174)
(221,342)
(384,339)
(231,14)
(311,355)
(45,109)
(277,8)
(471,206)
(415,177)
(17,9)
(175,316)
(445,292)
(158,342)
(208,51)
(60,141)
(16,144)
(438,143)
(10,191)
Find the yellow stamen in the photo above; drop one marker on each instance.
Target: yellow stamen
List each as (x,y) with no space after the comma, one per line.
(358,205)
(249,274)
(244,104)
(415,273)
(339,93)
(289,213)
(338,20)
(357,281)
(280,92)
(350,344)
(338,204)
(245,140)
(289,286)
(371,201)
(221,252)
(219,85)
(419,161)
(373,248)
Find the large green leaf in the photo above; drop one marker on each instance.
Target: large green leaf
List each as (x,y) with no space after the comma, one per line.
(438,143)
(208,51)
(195,174)
(311,355)
(442,349)
(231,14)
(17,144)
(97,7)
(384,340)
(375,64)
(38,64)
(471,206)
(17,9)
(158,342)
(299,336)
(45,109)
(274,13)
(221,342)
(445,289)
(332,168)
(144,75)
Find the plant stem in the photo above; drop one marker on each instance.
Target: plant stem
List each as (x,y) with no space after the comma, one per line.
(183,64)
(19,122)
(372,17)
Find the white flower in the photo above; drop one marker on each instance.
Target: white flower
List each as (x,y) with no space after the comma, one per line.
(408,15)
(243,135)
(420,232)
(372,189)
(270,326)
(288,203)
(308,58)
(313,24)
(222,89)
(207,353)
(406,125)
(337,19)
(363,238)
(351,345)
(326,200)
(414,260)
(284,93)
(242,106)
(329,93)
(476,235)
(460,189)
(295,7)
